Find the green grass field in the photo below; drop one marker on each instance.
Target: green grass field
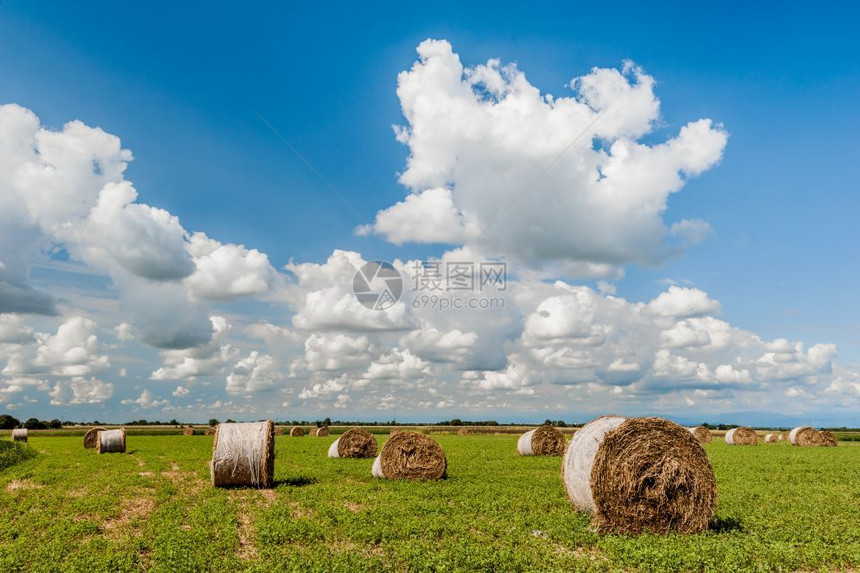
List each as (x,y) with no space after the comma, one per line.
(68,509)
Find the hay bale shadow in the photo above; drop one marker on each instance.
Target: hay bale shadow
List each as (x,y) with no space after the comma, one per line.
(725,525)
(296,481)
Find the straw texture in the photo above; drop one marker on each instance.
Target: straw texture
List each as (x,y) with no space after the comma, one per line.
(701,433)
(741,436)
(91,437)
(542,441)
(354,443)
(111,441)
(411,456)
(243,455)
(807,437)
(640,474)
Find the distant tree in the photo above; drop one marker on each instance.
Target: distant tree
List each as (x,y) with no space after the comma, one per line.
(456,422)
(8,422)
(34,424)
(327,422)
(55,424)
(560,423)
(230,421)
(213,422)
(173,422)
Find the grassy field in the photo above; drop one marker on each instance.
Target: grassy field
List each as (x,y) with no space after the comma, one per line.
(69,509)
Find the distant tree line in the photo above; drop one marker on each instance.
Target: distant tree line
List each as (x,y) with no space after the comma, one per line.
(8,422)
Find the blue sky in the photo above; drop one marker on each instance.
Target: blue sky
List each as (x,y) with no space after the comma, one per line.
(182,89)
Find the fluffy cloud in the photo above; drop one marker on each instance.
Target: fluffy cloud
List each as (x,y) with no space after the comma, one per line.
(327,351)
(192,363)
(426,217)
(80,390)
(323,297)
(67,189)
(678,302)
(13,330)
(147,401)
(181,392)
(227,272)
(73,351)
(481,136)
(254,373)
(478,137)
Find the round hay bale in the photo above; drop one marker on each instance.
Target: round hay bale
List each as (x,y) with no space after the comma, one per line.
(463,432)
(829,438)
(209,431)
(188,431)
(543,441)
(701,433)
(111,441)
(780,438)
(279,430)
(807,437)
(354,443)
(19,435)
(411,456)
(323,432)
(770,438)
(312,432)
(91,437)
(297,432)
(243,455)
(637,474)
(741,436)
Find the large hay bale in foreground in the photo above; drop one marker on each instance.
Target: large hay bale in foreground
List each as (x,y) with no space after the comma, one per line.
(322,432)
(638,474)
(829,438)
(297,432)
(741,436)
(411,456)
(243,455)
(806,436)
(543,441)
(19,435)
(701,433)
(91,437)
(354,443)
(111,441)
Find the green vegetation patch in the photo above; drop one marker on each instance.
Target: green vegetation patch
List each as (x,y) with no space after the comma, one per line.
(13,452)
(780,508)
